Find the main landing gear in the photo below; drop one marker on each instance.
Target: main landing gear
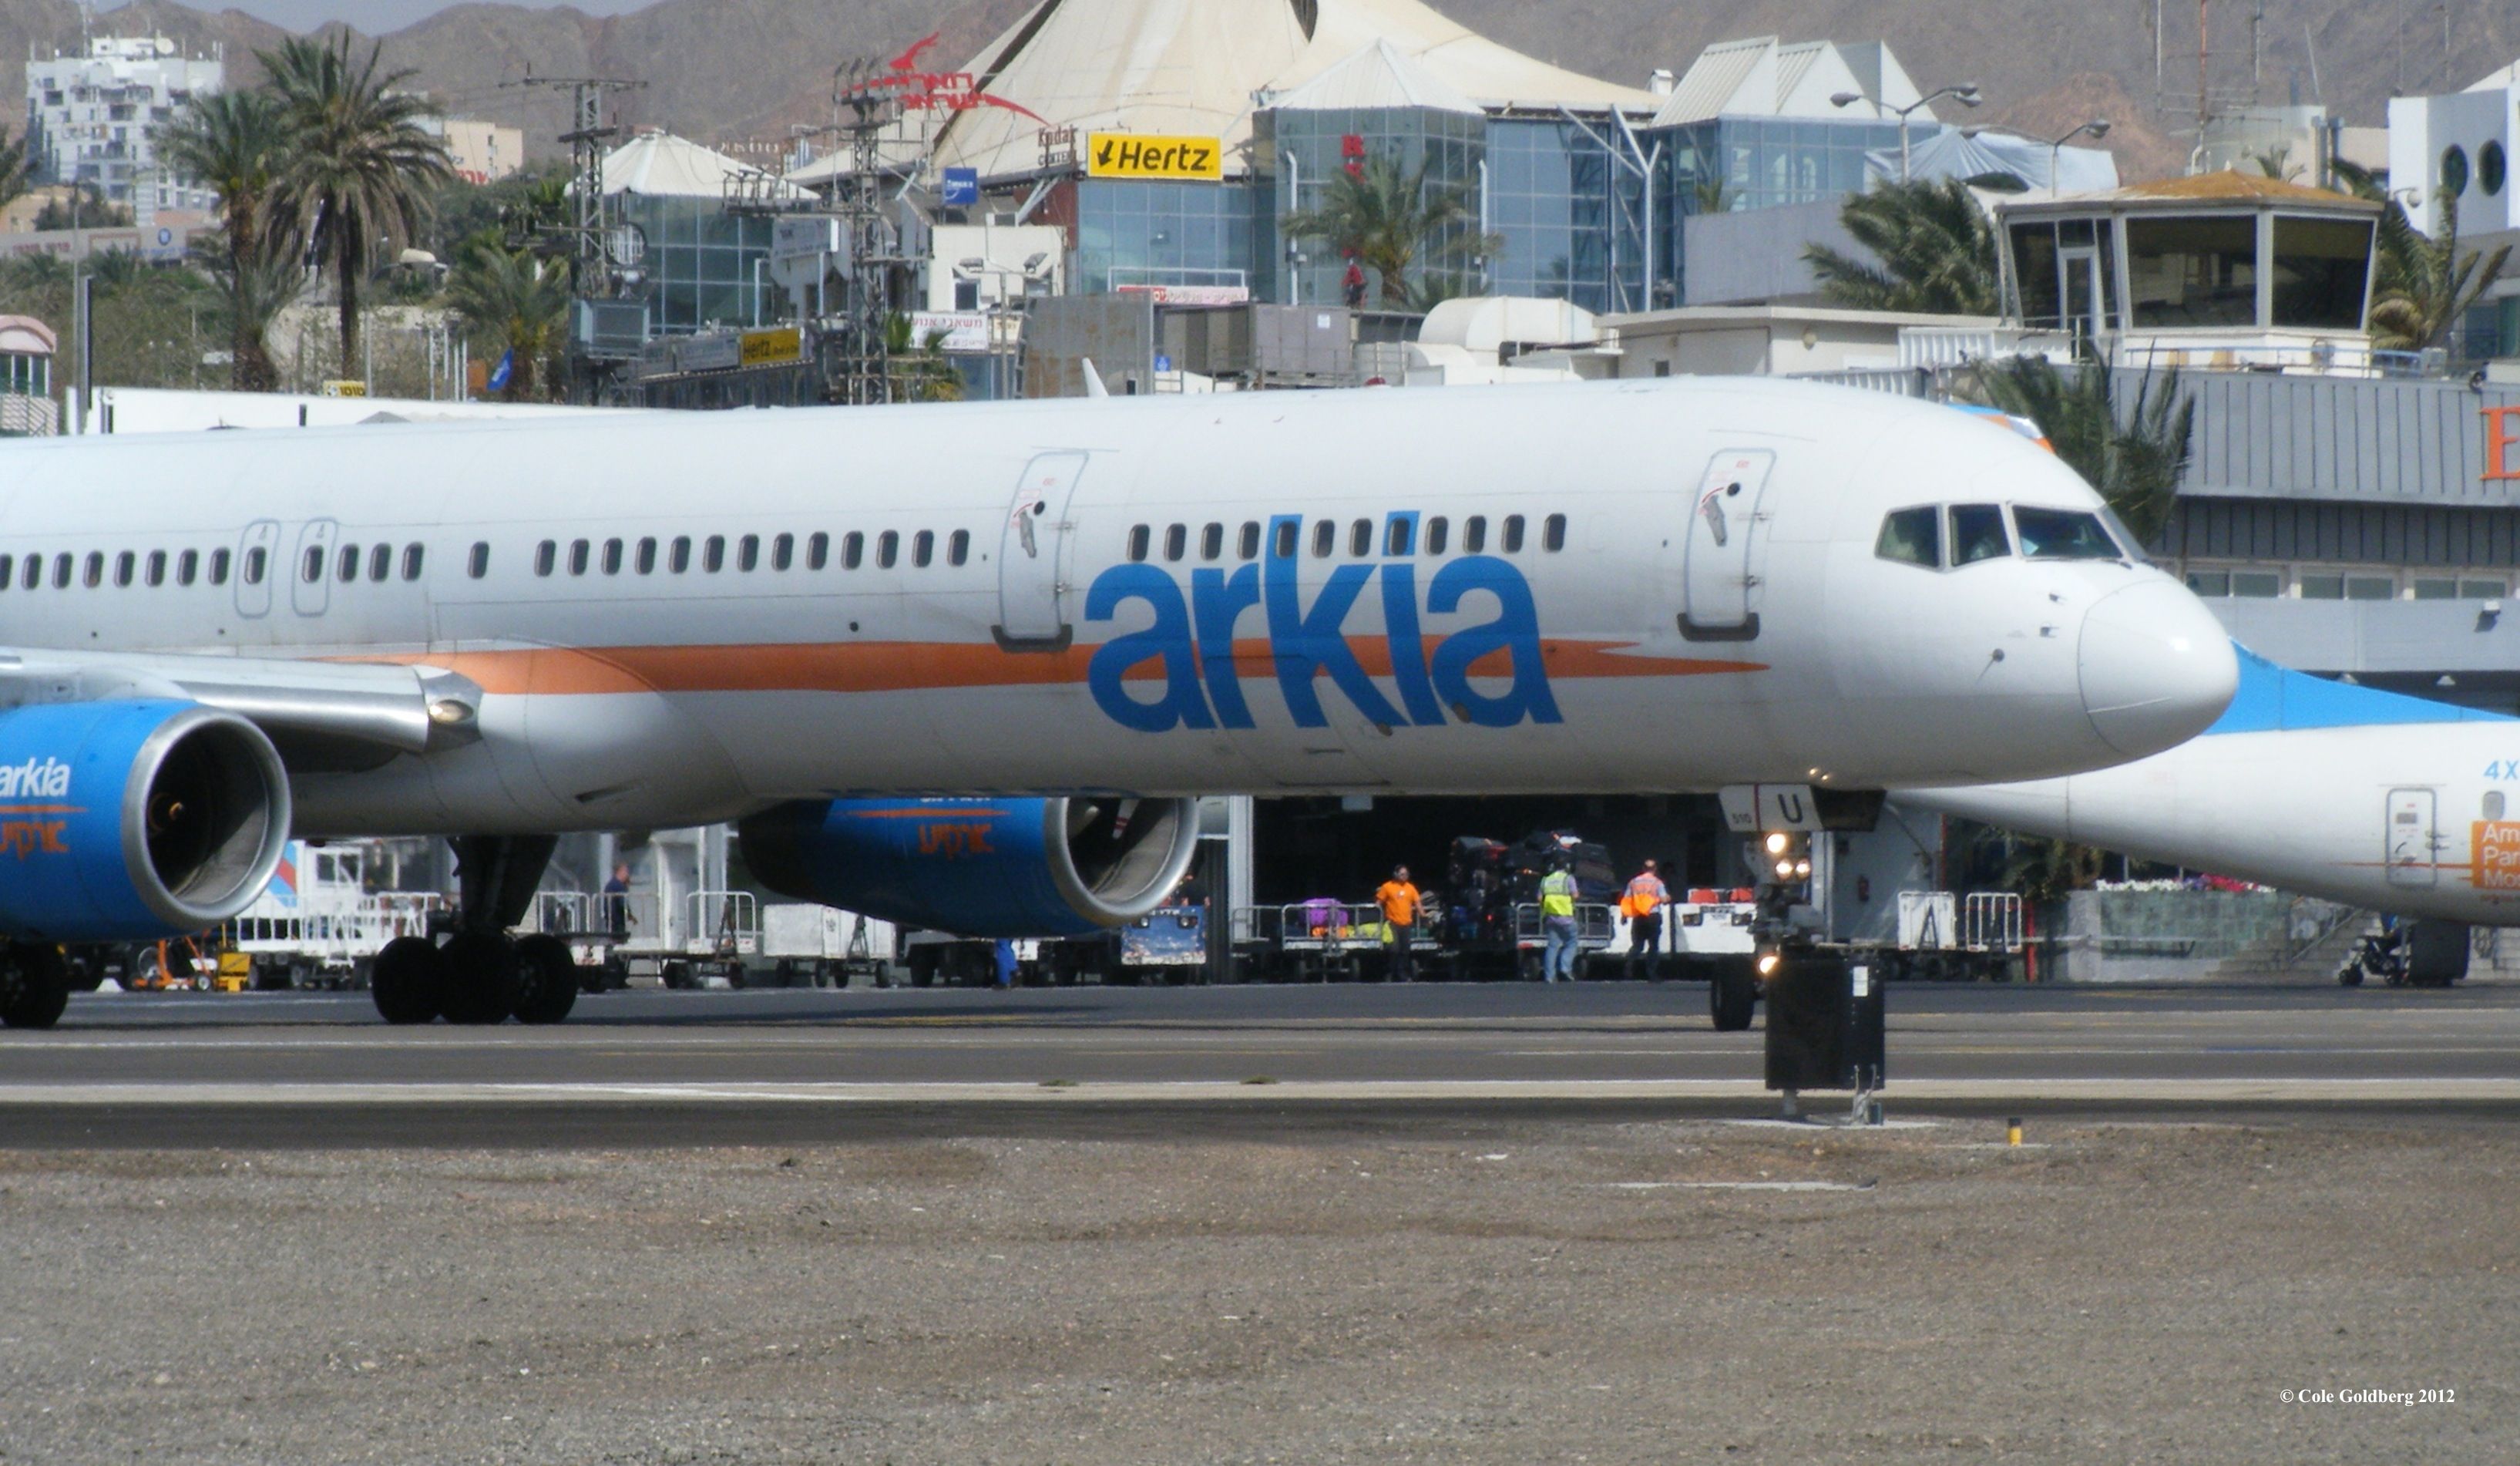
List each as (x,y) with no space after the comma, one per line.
(476,973)
(34,985)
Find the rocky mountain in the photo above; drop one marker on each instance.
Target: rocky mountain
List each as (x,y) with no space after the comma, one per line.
(747,70)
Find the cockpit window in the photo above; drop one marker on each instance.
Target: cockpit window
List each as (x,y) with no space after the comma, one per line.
(2063,534)
(1977,534)
(1913,536)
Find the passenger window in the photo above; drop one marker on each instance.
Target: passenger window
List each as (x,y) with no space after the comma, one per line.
(612,556)
(349,565)
(546,556)
(1248,543)
(1552,533)
(852,550)
(95,576)
(783,552)
(124,564)
(310,567)
(1139,536)
(1511,541)
(818,550)
(412,558)
(646,555)
(1474,534)
(578,553)
(187,566)
(679,560)
(7,571)
(64,566)
(381,563)
(34,572)
(887,549)
(1325,538)
(477,564)
(922,548)
(1359,538)
(713,553)
(958,548)
(1436,529)
(1176,541)
(1286,548)
(220,560)
(2062,535)
(1211,542)
(257,564)
(1977,534)
(748,553)
(1912,537)
(1395,536)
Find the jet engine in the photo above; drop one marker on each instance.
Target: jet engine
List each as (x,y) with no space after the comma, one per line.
(134,819)
(1032,867)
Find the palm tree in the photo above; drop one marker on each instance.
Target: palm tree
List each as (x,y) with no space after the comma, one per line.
(2132,452)
(511,301)
(13,167)
(1386,220)
(358,167)
(2420,287)
(1709,195)
(1935,244)
(231,142)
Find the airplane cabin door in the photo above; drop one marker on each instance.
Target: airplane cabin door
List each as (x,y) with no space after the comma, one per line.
(1035,555)
(1719,584)
(2414,840)
(254,569)
(310,573)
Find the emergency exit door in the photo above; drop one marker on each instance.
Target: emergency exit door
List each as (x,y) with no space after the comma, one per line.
(1035,556)
(2414,843)
(1719,580)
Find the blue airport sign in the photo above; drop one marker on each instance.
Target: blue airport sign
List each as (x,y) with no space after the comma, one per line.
(962,187)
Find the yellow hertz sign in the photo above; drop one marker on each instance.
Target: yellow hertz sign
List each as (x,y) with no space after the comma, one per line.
(768,347)
(1129,155)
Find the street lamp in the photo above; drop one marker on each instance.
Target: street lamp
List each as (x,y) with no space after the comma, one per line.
(1965,93)
(2097,127)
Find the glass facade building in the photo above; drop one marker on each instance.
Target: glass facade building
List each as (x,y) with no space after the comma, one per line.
(1132,233)
(706,267)
(1570,211)
(1736,164)
(1296,152)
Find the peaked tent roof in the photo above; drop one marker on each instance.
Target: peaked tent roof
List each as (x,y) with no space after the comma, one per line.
(1956,153)
(1763,77)
(659,164)
(1378,77)
(1194,66)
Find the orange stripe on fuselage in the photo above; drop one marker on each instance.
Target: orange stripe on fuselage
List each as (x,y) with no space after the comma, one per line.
(920,665)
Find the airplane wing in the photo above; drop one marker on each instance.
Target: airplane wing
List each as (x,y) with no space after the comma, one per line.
(322,716)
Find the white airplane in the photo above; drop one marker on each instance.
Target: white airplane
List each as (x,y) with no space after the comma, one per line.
(1073,615)
(2369,798)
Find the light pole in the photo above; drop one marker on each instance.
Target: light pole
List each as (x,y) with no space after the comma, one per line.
(1965,93)
(2097,127)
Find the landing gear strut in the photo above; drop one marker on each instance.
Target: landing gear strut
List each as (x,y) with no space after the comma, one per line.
(479,973)
(34,985)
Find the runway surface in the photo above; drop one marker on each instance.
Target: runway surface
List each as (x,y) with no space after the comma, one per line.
(661,1068)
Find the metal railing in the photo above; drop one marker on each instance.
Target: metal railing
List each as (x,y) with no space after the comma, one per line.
(724,924)
(1990,922)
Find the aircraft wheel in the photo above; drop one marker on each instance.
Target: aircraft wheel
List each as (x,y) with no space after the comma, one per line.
(547,983)
(1732,995)
(408,981)
(34,987)
(483,977)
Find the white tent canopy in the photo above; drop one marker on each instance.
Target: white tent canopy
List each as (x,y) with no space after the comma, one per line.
(1956,153)
(659,164)
(1196,65)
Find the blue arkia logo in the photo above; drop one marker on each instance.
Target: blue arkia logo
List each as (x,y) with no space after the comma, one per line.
(1190,642)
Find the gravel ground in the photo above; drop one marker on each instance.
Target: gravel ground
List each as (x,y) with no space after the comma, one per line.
(1442,1291)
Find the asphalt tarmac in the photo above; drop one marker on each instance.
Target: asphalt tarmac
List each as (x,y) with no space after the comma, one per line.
(654,1068)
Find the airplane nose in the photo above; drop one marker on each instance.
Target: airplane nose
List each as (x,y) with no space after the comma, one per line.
(2157,668)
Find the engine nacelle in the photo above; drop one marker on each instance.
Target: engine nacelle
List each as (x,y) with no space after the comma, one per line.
(1057,867)
(134,820)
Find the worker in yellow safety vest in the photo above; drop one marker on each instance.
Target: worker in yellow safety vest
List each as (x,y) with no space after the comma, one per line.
(1642,906)
(1557,924)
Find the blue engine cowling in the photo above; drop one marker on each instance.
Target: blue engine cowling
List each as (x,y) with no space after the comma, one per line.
(134,819)
(1054,867)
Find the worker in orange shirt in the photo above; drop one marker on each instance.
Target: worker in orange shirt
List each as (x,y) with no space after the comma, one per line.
(1642,905)
(1399,901)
